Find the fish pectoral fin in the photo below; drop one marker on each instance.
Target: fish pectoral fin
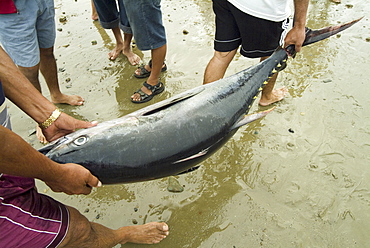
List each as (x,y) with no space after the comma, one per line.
(189,170)
(198,155)
(249,118)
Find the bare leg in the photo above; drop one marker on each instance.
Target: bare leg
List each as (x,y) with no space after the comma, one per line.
(94,14)
(83,233)
(217,66)
(269,95)
(48,68)
(158,56)
(32,74)
(127,51)
(123,46)
(119,44)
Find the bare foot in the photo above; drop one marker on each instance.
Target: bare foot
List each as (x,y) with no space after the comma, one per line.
(112,55)
(73,100)
(94,14)
(40,136)
(275,96)
(132,57)
(94,17)
(150,233)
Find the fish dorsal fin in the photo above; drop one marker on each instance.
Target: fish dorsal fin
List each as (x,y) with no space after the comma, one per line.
(249,118)
(168,102)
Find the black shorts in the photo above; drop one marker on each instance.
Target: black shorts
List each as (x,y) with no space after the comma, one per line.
(257,37)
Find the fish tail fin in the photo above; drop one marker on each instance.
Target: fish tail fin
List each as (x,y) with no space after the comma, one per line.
(313,36)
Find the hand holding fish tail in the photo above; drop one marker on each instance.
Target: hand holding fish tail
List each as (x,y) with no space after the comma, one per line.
(296,37)
(72,179)
(64,125)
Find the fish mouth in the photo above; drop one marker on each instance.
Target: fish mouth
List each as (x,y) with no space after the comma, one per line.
(54,146)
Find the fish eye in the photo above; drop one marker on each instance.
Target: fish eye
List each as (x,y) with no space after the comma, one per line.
(80,140)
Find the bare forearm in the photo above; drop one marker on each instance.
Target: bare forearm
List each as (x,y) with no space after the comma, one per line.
(297,35)
(300,13)
(18,158)
(21,92)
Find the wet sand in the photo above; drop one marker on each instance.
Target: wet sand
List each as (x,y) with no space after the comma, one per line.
(299,177)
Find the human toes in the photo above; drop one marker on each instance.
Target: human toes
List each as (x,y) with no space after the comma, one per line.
(139,70)
(75,100)
(280,93)
(112,55)
(40,136)
(136,60)
(67,99)
(135,97)
(163,227)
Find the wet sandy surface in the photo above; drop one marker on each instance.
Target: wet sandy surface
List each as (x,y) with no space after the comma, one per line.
(297,178)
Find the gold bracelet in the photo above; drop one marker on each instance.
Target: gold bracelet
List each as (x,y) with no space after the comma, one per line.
(53,117)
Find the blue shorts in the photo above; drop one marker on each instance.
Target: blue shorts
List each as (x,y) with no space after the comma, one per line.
(145,18)
(110,17)
(257,37)
(23,34)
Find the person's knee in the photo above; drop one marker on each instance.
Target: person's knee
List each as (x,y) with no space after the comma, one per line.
(31,73)
(224,57)
(79,230)
(47,52)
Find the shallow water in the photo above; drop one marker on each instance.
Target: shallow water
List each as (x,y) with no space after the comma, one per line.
(300,177)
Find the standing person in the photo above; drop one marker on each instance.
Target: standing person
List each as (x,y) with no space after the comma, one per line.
(112,18)
(145,18)
(31,219)
(259,27)
(27,33)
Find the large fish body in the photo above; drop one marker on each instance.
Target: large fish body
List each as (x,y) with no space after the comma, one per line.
(174,135)
(166,138)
